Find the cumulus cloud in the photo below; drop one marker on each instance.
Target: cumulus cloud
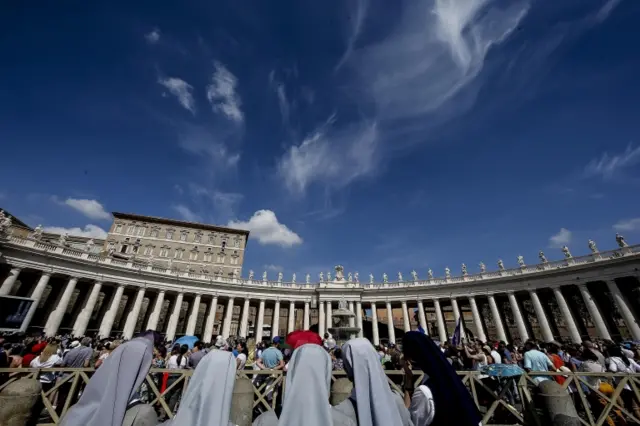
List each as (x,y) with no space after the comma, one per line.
(562,238)
(628,225)
(264,227)
(608,166)
(186,213)
(153,36)
(181,90)
(90,208)
(89,231)
(222,95)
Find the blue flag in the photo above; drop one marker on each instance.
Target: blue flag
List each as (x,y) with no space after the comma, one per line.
(421,330)
(455,340)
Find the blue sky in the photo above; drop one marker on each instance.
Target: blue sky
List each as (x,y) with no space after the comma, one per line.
(385,136)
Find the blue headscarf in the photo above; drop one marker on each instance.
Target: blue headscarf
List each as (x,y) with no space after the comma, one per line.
(452,400)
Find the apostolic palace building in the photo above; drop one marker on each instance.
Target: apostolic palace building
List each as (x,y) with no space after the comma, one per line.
(184,278)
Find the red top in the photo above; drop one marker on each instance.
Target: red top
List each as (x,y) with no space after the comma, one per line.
(557,363)
(298,338)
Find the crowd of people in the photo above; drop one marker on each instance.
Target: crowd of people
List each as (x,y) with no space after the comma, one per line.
(309,360)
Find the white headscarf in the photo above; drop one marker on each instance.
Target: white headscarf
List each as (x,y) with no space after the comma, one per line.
(207,400)
(105,399)
(375,402)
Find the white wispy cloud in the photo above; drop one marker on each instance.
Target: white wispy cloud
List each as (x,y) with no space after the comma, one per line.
(222,95)
(90,208)
(153,36)
(562,238)
(265,227)
(606,10)
(608,166)
(89,231)
(273,268)
(181,90)
(628,225)
(200,141)
(186,213)
(328,156)
(224,203)
(358,15)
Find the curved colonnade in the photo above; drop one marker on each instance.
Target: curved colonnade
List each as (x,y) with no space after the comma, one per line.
(594,296)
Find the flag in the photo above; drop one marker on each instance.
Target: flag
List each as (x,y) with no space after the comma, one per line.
(421,330)
(455,340)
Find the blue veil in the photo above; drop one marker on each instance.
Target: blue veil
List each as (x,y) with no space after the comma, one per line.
(453,402)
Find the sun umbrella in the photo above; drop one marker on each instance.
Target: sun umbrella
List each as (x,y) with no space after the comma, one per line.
(187,340)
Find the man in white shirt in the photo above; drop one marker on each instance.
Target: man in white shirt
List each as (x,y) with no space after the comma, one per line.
(497,359)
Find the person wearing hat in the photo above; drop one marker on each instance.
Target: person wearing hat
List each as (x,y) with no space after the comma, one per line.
(272,358)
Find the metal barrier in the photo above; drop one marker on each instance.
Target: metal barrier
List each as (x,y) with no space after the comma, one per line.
(507,401)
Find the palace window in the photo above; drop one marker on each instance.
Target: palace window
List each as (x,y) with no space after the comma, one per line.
(212,238)
(183,236)
(118,228)
(197,238)
(234,260)
(130,229)
(154,233)
(164,252)
(236,243)
(141,230)
(148,251)
(193,255)
(220,259)
(169,234)
(208,257)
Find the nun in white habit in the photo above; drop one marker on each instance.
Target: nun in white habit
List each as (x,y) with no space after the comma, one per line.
(108,398)
(306,399)
(207,400)
(372,402)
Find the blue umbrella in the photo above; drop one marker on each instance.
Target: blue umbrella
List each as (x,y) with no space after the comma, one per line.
(502,370)
(187,340)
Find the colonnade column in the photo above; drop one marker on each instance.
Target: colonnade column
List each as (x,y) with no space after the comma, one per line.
(374,324)
(352,320)
(495,313)
(152,324)
(442,331)
(110,315)
(305,318)
(321,319)
(80,325)
(175,316)
(547,335)
(391,330)
(598,321)
(211,319)
(329,315)
(292,317)
(132,318)
(228,316)
(457,316)
(193,318)
(275,326)
(517,315)
(244,321)
(566,312)
(260,321)
(421,317)
(9,282)
(625,310)
(58,313)
(359,318)
(36,296)
(405,317)
(477,321)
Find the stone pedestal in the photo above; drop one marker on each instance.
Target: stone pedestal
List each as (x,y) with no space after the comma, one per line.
(17,401)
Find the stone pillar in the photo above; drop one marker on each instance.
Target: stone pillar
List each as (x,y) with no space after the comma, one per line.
(244,321)
(275,325)
(601,327)
(442,331)
(132,318)
(329,316)
(405,317)
(228,316)
(374,324)
(421,317)
(566,312)
(306,319)
(80,326)
(193,318)
(322,321)
(359,318)
(292,317)
(625,309)
(517,315)
(211,319)
(174,318)
(456,316)
(152,324)
(260,321)
(8,282)
(390,328)
(110,315)
(352,320)
(547,335)
(36,296)
(55,318)
(495,313)
(477,320)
